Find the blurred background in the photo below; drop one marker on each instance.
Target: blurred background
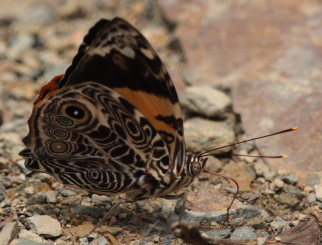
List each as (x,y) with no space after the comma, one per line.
(267,55)
(267,52)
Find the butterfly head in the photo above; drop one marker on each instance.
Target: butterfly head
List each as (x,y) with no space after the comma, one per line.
(195,164)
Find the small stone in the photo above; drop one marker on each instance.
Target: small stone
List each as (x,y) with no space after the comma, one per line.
(311,197)
(99,241)
(277,184)
(287,198)
(8,232)
(294,191)
(44,225)
(218,234)
(51,196)
(206,101)
(279,223)
(290,179)
(37,198)
(244,234)
(308,189)
(18,179)
(318,192)
(202,135)
(29,190)
(262,169)
(101,199)
(66,192)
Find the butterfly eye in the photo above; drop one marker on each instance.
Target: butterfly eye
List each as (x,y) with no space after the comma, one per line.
(76,112)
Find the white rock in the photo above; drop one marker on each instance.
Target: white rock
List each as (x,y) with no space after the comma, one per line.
(9,232)
(206,101)
(44,225)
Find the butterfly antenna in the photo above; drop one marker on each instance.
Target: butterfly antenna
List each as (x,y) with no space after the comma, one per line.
(259,156)
(206,153)
(231,179)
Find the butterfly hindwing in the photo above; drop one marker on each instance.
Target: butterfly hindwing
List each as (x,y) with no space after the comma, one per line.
(90,136)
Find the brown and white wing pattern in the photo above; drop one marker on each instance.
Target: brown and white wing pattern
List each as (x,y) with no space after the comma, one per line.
(88,135)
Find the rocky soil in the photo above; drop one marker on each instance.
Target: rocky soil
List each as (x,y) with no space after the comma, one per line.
(275,204)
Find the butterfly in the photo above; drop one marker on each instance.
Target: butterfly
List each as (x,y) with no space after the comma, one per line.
(113,122)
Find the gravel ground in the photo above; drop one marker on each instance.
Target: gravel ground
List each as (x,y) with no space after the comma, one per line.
(38,41)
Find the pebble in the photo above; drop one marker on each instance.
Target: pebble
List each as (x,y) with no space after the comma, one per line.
(318,192)
(206,101)
(262,169)
(101,199)
(44,225)
(294,191)
(202,134)
(279,223)
(290,179)
(278,184)
(9,232)
(287,198)
(66,192)
(243,234)
(311,197)
(99,241)
(218,234)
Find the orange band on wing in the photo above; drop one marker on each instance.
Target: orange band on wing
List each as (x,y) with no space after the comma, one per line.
(150,105)
(48,88)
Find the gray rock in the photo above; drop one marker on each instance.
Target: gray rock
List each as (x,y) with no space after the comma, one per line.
(218,234)
(287,198)
(202,135)
(290,179)
(249,215)
(66,192)
(91,211)
(43,197)
(243,234)
(44,225)
(8,232)
(206,101)
(294,191)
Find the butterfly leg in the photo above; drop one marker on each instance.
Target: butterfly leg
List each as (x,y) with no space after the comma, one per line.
(108,215)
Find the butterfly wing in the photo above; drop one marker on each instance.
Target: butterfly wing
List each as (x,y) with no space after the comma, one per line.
(117,55)
(90,136)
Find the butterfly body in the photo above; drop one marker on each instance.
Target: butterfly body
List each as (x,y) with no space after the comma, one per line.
(112,123)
